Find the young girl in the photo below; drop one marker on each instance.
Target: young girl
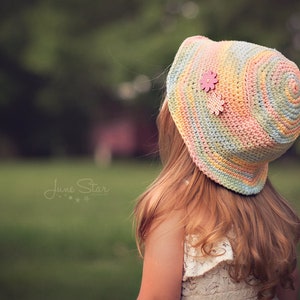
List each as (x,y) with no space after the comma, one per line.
(211,226)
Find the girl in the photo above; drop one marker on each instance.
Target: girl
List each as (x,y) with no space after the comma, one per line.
(211,226)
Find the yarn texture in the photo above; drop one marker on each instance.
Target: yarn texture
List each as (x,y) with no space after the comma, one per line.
(236,106)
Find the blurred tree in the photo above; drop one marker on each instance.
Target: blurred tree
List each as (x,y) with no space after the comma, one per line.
(66,64)
(50,85)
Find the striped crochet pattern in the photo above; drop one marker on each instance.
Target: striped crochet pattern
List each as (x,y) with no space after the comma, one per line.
(246,117)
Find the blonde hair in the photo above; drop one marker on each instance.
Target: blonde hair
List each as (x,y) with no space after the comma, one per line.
(266,229)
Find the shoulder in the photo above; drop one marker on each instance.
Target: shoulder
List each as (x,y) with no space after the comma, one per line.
(165,234)
(163,259)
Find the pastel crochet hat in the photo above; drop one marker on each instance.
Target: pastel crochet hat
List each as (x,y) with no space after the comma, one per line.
(236,106)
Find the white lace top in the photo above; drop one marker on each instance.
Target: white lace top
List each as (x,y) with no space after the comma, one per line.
(207,277)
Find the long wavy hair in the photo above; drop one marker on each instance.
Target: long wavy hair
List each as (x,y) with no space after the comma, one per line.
(266,229)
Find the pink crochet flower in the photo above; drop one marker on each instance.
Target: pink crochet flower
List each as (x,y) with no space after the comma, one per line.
(215,104)
(208,81)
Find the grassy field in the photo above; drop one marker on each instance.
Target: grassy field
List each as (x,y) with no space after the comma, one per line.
(66,231)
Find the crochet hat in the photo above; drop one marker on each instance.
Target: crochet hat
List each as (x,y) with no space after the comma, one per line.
(236,106)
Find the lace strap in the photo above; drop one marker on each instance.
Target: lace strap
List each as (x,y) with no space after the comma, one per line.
(195,264)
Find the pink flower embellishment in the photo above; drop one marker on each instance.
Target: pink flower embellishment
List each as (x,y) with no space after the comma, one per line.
(215,100)
(208,81)
(215,104)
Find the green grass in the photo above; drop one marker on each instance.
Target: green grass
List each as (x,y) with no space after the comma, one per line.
(79,245)
(71,246)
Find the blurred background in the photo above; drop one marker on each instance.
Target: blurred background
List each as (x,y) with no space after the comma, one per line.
(80,86)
